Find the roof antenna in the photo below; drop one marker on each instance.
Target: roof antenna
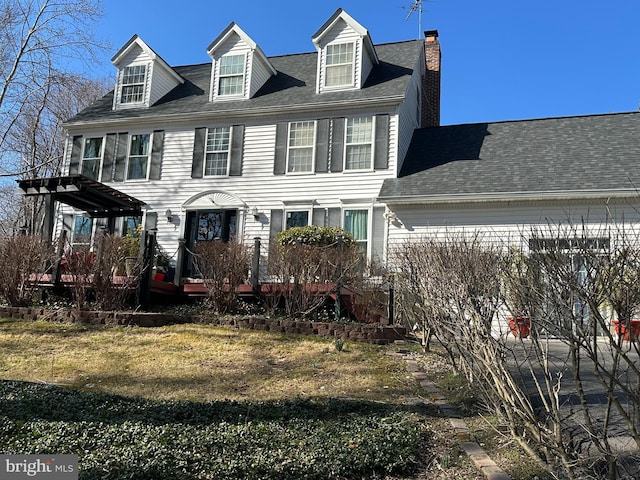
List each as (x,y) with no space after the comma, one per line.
(417,5)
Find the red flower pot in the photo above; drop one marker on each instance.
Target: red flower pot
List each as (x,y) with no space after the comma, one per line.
(520,326)
(629,332)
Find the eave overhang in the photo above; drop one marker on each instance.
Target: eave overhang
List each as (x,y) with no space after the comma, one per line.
(378,104)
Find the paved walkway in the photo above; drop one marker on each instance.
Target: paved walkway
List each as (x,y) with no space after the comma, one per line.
(475,452)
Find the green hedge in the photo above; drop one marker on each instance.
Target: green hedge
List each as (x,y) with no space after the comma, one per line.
(117,437)
(314,235)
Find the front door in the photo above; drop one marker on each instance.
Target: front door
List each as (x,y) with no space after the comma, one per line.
(207,226)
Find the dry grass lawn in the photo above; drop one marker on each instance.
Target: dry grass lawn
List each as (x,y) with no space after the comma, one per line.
(199,362)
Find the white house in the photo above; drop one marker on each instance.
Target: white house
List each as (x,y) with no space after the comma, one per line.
(246,145)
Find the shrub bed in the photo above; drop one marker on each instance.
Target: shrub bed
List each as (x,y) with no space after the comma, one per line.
(120,437)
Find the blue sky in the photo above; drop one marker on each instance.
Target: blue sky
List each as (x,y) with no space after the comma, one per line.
(502,59)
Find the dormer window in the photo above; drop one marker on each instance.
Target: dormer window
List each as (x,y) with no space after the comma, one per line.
(143,76)
(231,75)
(133,79)
(339,70)
(240,67)
(346,55)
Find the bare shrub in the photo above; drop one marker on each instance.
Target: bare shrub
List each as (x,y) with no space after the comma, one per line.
(368,291)
(570,392)
(306,276)
(94,272)
(453,289)
(111,294)
(223,267)
(591,280)
(80,264)
(21,258)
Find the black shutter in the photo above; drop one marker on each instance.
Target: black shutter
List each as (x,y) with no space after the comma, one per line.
(108,160)
(280,163)
(156,155)
(122,147)
(76,152)
(275,224)
(337,145)
(381,160)
(322,146)
(197,166)
(237,143)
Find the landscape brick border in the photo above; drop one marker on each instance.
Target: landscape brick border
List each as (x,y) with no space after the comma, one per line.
(376,334)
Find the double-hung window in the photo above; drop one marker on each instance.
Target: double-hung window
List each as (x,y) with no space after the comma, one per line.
(91,157)
(217,151)
(339,65)
(133,80)
(359,143)
(231,74)
(138,161)
(356,222)
(301,145)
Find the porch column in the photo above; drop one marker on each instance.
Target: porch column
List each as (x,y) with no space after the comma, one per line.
(255,267)
(49,218)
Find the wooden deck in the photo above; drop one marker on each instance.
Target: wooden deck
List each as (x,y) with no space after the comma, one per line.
(195,288)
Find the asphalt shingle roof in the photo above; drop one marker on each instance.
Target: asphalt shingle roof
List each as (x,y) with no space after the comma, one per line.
(294,84)
(555,155)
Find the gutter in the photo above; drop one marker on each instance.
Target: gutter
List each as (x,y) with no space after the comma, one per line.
(506,197)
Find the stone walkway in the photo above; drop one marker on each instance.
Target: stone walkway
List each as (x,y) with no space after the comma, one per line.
(475,452)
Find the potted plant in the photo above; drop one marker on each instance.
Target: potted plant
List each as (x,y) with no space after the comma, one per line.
(131,250)
(619,284)
(522,292)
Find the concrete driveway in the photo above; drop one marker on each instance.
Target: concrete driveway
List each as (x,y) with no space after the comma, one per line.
(560,366)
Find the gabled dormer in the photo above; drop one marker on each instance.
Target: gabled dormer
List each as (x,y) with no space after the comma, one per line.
(143,76)
(239,66)
(345,54)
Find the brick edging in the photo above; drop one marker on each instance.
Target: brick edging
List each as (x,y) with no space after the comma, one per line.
(377,334)
(474,451)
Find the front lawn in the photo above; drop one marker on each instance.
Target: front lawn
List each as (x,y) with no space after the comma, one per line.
(191,401)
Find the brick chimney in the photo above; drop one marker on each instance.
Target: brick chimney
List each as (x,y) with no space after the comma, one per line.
(431,80)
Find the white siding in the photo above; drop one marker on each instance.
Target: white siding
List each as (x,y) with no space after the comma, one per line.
(162,82)
(257,187)
(507,224)
(367,65)
(259,74)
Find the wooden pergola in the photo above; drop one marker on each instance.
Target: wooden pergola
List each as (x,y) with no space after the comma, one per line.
(96,199)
